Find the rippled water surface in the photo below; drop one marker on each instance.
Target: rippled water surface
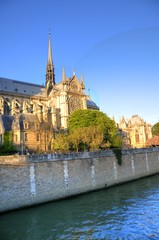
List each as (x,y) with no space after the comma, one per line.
(129,211)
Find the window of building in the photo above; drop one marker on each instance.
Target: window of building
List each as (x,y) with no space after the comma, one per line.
(31,108)
(25,137)
(137,137)
(38,137)
(6,107)
(17,106)
(25,125)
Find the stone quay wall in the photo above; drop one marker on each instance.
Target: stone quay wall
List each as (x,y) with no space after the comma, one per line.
(34,179)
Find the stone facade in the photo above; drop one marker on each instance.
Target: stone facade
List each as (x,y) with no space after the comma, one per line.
(34,113)
(135,131)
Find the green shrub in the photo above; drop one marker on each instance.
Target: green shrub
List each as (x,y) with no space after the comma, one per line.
(8,148)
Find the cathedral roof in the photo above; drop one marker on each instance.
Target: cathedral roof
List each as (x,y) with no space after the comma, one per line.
(32,121)
(28,117)
(91,104)
(14,86)
(7,122)
(136,120)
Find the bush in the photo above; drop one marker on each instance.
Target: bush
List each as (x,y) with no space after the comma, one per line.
(7,148)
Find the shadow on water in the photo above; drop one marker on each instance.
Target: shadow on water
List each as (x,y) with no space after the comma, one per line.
(127,211)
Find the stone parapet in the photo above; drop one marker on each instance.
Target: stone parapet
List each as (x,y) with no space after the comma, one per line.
(33,179)
(69,156)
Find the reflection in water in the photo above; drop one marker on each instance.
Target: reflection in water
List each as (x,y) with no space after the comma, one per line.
(129,211)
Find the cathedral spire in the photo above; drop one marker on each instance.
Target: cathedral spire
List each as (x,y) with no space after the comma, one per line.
(82,82)
(50,76)
(123,119)
(49,61)
(63,75)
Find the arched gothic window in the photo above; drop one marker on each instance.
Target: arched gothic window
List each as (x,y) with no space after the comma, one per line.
(137,137)
(6,106)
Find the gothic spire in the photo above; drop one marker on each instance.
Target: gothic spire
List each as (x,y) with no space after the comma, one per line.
(50,76)
(123,119)
(82,82)
(49,61)
(63,75)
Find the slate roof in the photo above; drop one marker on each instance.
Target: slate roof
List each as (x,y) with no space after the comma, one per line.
(32,119)
(7,122)
(14,86)
(28,117)
(91,104)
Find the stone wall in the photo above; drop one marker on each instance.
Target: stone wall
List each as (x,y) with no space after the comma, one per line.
(30,180)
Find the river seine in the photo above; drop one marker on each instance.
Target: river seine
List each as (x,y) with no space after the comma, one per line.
(128,211)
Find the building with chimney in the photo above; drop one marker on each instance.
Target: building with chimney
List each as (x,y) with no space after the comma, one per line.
(33,113)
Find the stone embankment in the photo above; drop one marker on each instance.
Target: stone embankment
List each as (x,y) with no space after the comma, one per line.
(33,179)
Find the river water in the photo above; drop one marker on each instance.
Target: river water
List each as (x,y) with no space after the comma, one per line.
(128,211)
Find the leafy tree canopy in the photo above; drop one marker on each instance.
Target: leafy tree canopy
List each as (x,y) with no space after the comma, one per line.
(94,118)
(8,148)
(61,143)
(155,129)
(86,138)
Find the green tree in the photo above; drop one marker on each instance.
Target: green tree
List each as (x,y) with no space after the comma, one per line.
(75,138)
(8,147)
(155,129)
(117,141)
(86,138)
(92,137)
(94,118)
(61,143)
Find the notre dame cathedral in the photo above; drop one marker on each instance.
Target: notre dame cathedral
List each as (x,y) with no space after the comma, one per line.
(34,113)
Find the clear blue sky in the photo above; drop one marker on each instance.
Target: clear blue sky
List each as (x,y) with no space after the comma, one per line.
(113,43)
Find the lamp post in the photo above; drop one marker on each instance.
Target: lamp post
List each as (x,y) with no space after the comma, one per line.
(22,148)
(22,142)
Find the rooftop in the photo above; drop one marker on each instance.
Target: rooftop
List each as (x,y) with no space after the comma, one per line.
(14,86)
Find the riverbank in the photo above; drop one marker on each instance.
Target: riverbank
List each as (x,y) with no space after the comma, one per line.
(34,179)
